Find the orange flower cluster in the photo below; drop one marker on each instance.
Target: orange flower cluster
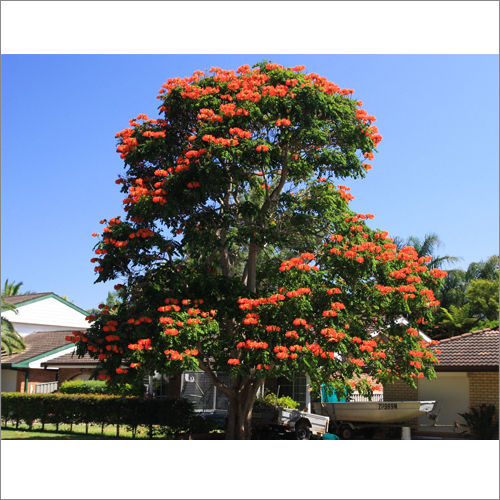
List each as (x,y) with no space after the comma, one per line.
(260,367)
(233,361)
(128,144)
(221,141)
(143,319)
(171,331)
(412,332)
(252,344)
(344,194)
(110,326)
(209,115)
(357,362)
(142,233)
(332,335)
(272,328)
(142,344)
(262,147)
(363,116)
(243,134)
(298,292)
(121,370)
(297,262)
(231,110)
(384,290)
(150,133)
(283,121)
(251,319)
(292,334)
(438,273)
(76,337)
(193,185)
(368,345)
(318,351)
(174,355)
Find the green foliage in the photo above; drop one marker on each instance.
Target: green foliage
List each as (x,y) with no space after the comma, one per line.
(469,299)
(174,413)
(428,246)
(83,387)
(457,320)
(482,422)
(238,175)
(11,288)
(482,295)
(11,341)
(269,400)
(100,387)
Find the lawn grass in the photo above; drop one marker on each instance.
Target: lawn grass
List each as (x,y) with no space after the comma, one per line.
(75,432)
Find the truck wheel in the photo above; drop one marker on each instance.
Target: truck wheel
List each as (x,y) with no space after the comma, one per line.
(345,432)
(302,431)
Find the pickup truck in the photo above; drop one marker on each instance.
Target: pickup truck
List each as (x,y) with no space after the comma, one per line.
(302,424)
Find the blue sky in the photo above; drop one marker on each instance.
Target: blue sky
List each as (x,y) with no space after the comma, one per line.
(436,171)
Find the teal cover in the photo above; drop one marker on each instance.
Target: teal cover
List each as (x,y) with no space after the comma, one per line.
(327,398)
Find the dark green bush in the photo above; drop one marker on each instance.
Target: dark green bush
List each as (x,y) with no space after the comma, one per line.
(175,413)
(482,422)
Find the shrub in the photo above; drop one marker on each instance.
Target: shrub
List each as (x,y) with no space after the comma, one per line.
(83,387)
(269,400)
(482,422)
(100,387)
(175,413)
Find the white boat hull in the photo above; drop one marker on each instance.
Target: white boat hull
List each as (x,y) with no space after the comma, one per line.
(375,411)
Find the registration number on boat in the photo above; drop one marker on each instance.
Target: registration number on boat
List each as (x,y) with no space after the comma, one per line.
(387,406)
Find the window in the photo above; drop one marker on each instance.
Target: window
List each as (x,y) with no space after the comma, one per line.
(198,388)
(295,388)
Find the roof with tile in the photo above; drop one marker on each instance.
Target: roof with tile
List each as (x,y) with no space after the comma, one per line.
(19,299)
(71,358)
(39,343)
(477,350)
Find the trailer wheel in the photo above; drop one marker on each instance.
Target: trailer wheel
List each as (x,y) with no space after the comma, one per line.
(302,431)
(345,432)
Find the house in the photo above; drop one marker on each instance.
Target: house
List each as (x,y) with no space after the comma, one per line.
(44,312)
(28,371)
(467,376)
(43,320)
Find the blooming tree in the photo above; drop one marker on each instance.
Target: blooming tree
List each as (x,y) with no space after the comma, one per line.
(239,253)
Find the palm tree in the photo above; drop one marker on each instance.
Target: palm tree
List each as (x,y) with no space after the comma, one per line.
(12,342)
(457,320)
(11,289)
(484,270)
(427,247)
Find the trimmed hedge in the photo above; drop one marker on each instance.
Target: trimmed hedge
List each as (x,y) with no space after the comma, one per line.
(175,413)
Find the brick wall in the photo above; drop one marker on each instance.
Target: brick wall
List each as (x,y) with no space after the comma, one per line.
(74,374)
(399,391)
(40,375)
(36,376)
(483,388)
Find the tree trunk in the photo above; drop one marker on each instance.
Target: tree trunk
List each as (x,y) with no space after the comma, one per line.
(251,267)
(239,425)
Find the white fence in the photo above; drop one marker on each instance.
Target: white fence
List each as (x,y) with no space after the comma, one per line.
(357,398)
(46,387)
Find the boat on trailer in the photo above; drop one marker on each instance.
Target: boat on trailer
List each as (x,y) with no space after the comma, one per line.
(375,412)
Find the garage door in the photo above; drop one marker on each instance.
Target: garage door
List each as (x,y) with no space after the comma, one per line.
(451,391)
